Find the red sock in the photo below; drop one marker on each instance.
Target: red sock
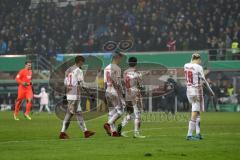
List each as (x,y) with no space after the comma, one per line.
(28,108)
(17,106)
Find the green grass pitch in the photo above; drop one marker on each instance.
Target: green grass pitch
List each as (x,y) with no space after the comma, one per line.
(38,140)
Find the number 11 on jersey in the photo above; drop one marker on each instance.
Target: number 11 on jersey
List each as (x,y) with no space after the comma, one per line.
(189,77)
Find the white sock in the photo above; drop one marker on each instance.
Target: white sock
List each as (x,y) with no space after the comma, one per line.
(65,125)
(114,115)
(136,125)
(113,118)
(113,127)
(126,119)
(112,121)
(81,123)
(66,121)
(137,119)
(198,125)
(111,112)
(191,127)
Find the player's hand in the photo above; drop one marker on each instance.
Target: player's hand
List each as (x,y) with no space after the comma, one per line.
(65,102)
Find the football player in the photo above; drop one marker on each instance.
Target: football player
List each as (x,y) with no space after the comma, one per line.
(74,82)
(24,80)
(195,80)
(114,93)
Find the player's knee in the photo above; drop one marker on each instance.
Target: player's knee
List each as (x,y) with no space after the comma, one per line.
(137,116)
(29,100)
(119,111)
(112,111)
(128,117)
(137,112)
(79,113)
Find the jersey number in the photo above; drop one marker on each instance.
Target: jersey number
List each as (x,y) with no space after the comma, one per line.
(189,76)
(127,82)
(108,77)
(70,79)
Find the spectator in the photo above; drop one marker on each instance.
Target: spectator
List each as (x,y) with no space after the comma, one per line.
(170,98)
(3,46)
(171,44)
(230,90)
(44,100)
(48,26)
(223,96)
(235,49)
(182,96)
(208,99)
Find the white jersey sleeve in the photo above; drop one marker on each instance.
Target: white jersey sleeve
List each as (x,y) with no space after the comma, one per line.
(200,71)
(204,79)
(79,75)
(112,75)
(132,82)
(132,78)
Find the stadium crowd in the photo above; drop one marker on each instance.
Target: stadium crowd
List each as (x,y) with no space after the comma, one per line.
(153,25)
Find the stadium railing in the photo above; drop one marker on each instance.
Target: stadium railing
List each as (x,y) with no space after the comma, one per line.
(43,66)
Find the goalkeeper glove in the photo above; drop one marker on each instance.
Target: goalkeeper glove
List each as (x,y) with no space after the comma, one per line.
(25,84)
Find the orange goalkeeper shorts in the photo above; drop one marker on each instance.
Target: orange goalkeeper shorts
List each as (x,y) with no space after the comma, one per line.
(25,93)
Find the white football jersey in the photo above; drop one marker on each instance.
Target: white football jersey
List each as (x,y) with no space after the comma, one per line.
(112,74)
(73,78)
(193,74)
(132,80)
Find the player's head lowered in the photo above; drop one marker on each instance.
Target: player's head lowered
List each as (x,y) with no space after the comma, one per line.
(117,57)
(79,60)
(196,58)
(132,62)
(28,64)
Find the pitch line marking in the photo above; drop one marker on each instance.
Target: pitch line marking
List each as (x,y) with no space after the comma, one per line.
(124,133)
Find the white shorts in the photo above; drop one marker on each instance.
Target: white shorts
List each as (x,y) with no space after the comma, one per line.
(134,109)
(195,97)
(133,95)
(113,99)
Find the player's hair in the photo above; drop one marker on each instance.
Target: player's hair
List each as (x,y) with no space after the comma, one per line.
(196,56)
(132,61)
(28,61)
(79,59)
